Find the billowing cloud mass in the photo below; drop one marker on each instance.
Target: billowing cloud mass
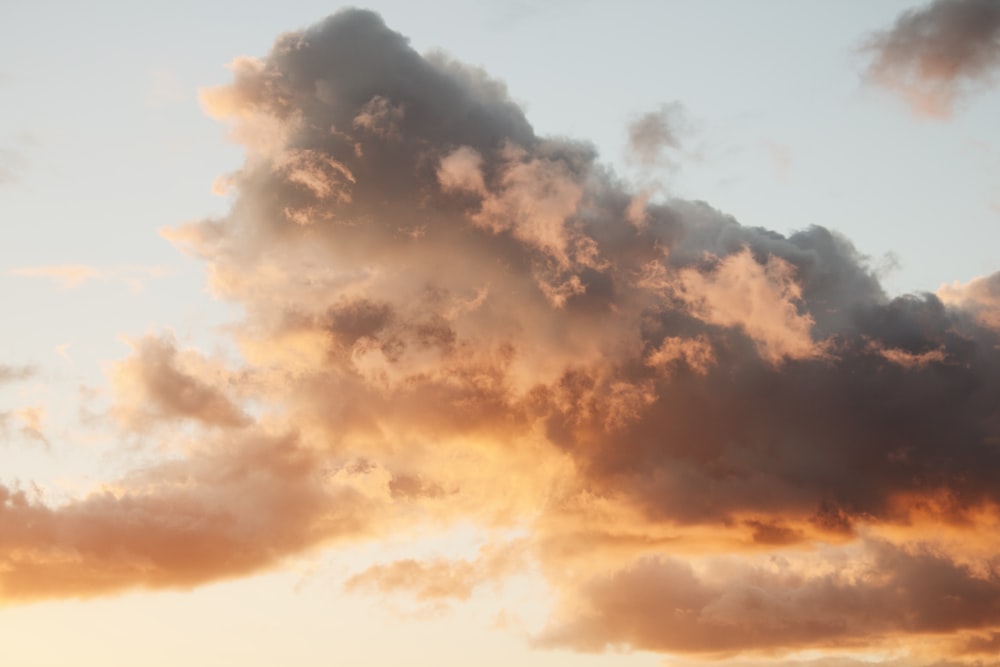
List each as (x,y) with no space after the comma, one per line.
(936,54)
(709,438)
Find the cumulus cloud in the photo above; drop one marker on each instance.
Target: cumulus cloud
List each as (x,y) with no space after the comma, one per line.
(936,54)
(450,318)
(979,298)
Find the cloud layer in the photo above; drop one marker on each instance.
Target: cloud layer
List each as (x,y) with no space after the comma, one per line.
(719,439)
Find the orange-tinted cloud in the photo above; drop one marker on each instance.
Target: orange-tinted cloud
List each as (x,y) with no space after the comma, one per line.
(653,133)
(731,607)
(440,579)
(241,505)
(450,318)
(160,383)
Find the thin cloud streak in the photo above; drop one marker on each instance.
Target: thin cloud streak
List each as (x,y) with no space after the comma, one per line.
(72,276)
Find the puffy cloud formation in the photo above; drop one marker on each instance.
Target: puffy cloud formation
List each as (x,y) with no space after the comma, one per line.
(935,54)
(716,439)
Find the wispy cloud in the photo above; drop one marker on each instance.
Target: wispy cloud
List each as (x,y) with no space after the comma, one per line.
(28,421)
(12,162)
(10,373)
(71,276)
(935,55)
(653,134)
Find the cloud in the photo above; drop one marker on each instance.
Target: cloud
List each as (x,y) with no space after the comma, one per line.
(29,420)
(159,383)
(652,134)
(448,318)
(759,299)
(461,170)
(71,276)
(440,579)
(10,373)
(979,298)
(732,608)
(935,55)
(12,162)
(66,275)
(233,508)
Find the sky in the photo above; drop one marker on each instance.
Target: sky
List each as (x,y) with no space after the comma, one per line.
(538,333)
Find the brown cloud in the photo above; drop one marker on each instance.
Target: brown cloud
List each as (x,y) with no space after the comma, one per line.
(240,505)
(449,318)
(731,607)
(934,55)
(10,373)
(160,383)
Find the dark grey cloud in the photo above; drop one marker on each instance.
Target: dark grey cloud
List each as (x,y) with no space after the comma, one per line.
(850,431)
